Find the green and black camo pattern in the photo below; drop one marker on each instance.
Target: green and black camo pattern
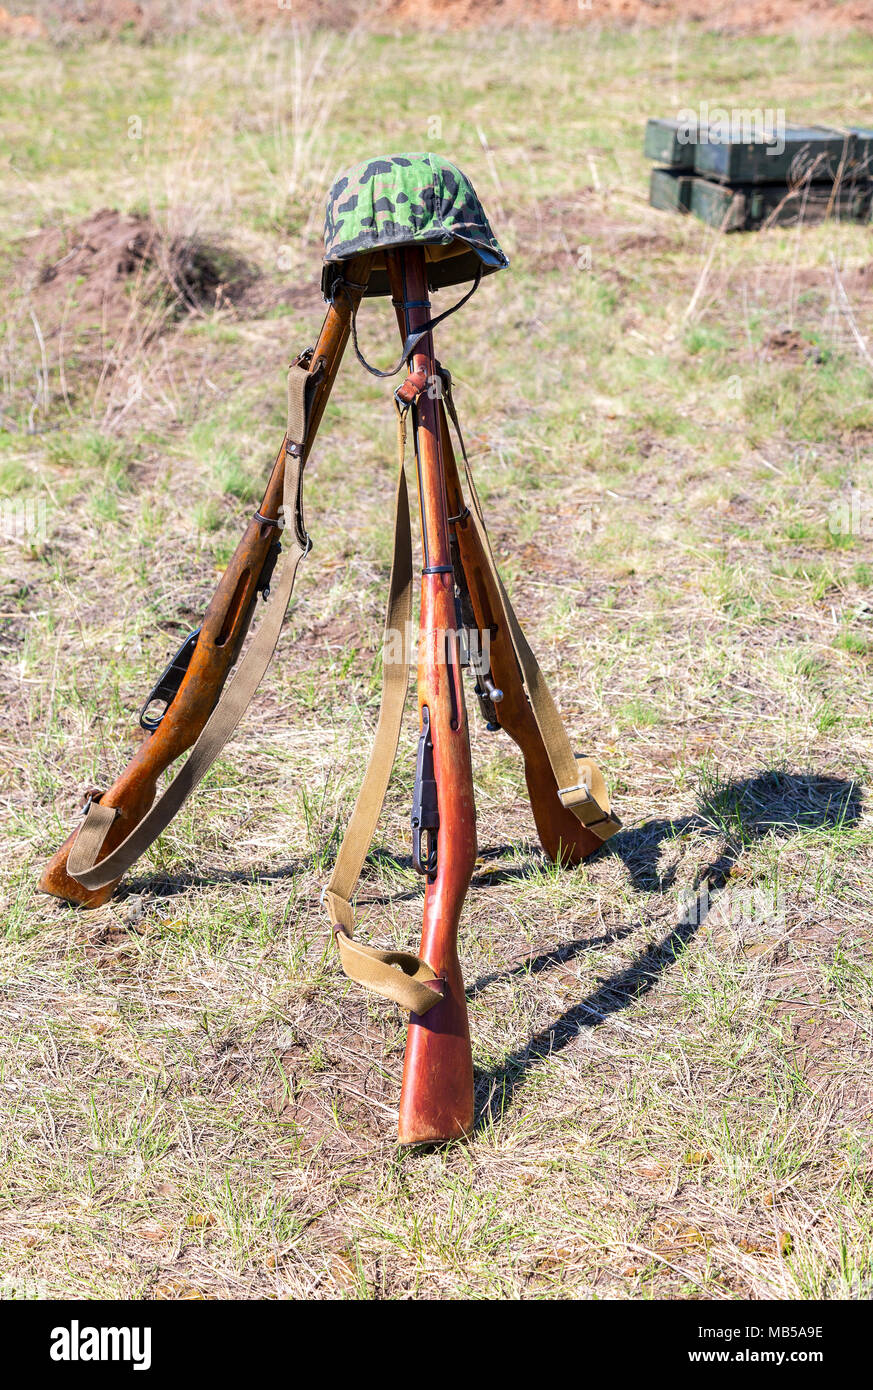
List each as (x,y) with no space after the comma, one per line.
(404,200)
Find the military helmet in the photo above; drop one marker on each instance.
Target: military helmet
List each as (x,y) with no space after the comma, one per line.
(408,200)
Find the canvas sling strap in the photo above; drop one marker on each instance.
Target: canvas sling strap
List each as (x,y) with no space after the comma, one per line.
(581,785)
(396,975)
(400,975)
(237,695)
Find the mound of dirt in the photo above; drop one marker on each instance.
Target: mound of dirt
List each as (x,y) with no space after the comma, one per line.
(788,344)
(114,264)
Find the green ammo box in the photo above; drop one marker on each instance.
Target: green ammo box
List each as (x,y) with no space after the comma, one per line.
(670,190)
(790,207)
(806,152)
(664,144)
(718,205)
(736,209)
(863,153)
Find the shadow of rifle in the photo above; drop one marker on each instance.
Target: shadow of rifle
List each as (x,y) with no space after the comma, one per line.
(740,812)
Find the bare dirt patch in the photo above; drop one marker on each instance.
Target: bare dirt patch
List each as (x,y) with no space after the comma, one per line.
(756,16)
(791,346)
(97,269)
(143,20)
(20,26)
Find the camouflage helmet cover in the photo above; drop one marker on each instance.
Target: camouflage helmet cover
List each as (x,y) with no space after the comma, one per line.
(405,200)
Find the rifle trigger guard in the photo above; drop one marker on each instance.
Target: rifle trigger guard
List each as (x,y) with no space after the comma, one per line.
(425,808)
(93,799)
(167,686)
(267,572)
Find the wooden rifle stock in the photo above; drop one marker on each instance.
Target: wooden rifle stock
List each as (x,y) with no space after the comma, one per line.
(562,835)
(221,635)
(436,1101)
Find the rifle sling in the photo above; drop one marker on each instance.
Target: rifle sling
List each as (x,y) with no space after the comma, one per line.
(412,339)
(367,965)
(237,695)
(400,975)
(397,975)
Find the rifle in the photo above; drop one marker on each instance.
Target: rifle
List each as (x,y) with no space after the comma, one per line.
(460,587)
(436,1097)
(122,822)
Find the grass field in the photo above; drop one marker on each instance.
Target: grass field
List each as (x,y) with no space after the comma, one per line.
(673,433)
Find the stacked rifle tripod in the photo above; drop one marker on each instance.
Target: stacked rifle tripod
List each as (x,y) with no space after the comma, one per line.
(400,226)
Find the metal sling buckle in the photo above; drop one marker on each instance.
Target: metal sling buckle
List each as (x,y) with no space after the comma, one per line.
(579,787)
(582,800)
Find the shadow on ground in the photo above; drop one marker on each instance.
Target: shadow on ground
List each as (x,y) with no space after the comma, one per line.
(737,814)
(166,885)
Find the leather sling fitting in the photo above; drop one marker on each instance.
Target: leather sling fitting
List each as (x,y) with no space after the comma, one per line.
(237,695)
(400,975)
